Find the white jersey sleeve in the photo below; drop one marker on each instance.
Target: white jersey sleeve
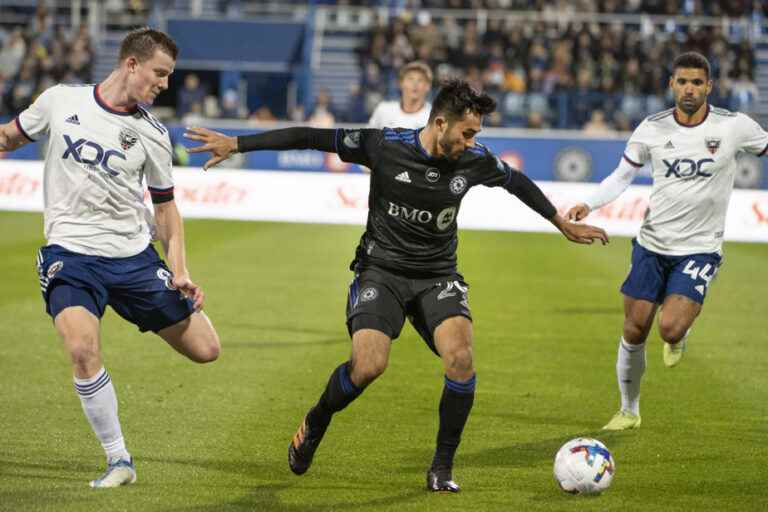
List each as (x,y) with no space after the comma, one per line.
(35,121)
(159,158)
(375,121)
(753,138)
(636,154)
(613,185)
(158,165)
(637,151)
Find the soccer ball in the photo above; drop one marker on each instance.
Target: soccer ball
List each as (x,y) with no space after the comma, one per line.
(584,466)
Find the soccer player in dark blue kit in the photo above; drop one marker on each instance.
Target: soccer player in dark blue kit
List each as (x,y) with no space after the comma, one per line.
(405,263)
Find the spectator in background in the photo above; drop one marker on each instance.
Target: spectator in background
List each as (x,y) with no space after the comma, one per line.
(262,115)
(322,115)
(190,94)
(597,125)
(12,54)
(231,106)
(412,110)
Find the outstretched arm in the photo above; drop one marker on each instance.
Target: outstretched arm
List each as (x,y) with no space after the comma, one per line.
(608,190)
(223,146)
(11,138)
(530,194)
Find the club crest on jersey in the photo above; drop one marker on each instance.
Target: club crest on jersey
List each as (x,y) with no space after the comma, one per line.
(352,139)
(128,139)
(458,184)
(432,175)
(369,294)
(713,144)
(54,268)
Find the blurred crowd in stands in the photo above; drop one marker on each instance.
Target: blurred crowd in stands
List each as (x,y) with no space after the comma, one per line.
(594,76)
(560,75)
(39,55)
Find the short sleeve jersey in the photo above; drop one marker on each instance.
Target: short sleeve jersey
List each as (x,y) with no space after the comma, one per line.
(96,162)
(389,114)
(693,169)
(414,198)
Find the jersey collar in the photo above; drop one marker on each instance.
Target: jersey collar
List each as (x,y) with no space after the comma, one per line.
(420,147)
(103,104)
(706,114)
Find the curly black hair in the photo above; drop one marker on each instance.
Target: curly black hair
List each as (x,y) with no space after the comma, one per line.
(456,97)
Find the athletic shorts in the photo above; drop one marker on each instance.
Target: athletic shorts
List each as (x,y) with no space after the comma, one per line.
(138,287)
(381,300)
(654,276)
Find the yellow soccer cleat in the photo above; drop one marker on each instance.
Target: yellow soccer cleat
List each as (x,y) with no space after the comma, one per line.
(673,354)
(623,420)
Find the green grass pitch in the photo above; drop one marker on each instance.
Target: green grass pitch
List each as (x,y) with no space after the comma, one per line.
(547,318)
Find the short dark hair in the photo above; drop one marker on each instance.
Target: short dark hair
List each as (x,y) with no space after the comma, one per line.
(456,97)
(692,60)
(142,43)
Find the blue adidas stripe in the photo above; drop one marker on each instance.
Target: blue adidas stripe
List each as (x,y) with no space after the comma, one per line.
(461,387)
(346,383)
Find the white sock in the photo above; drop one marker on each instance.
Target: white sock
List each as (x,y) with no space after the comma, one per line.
(630,366)
(100,406)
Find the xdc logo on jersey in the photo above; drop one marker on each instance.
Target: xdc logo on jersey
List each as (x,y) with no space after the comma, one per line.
(90,153)
(687,168)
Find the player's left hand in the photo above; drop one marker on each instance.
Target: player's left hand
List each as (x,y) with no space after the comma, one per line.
(583,233)
(190,290)
(219,145)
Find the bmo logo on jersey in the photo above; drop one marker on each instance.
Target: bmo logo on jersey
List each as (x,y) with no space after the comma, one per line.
(444,219)
(687,168)
(86,152)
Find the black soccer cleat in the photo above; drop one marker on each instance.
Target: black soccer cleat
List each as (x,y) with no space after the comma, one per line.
(439,479)
(302,447)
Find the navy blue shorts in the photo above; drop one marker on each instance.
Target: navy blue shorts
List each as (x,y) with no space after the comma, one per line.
(654,276)
(138,287)
(381,300)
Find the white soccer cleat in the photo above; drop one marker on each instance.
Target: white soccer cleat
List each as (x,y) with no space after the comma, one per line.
(120,472)
(673,354)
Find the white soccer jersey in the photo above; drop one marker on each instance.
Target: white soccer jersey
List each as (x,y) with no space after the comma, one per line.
(389,114)
(693,169)
(95,164)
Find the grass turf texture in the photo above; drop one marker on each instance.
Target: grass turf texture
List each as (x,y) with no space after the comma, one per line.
(547,319)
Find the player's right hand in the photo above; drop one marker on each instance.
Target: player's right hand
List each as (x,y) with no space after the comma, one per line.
(578,212)
(219,145)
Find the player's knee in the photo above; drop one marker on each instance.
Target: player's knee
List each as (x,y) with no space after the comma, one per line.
(634,333)
(83,351)
(366,371)
(459,362)
(208,350)
(671,332)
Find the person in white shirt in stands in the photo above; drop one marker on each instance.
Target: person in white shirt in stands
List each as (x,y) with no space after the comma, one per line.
(412,110)
(102,145)
(692,151)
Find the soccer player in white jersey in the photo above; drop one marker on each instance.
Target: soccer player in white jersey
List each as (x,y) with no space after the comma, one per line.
(102,145)
(692,152)
(412,110)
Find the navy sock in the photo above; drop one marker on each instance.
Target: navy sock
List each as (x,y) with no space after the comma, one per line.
(339,393)
(455,405)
